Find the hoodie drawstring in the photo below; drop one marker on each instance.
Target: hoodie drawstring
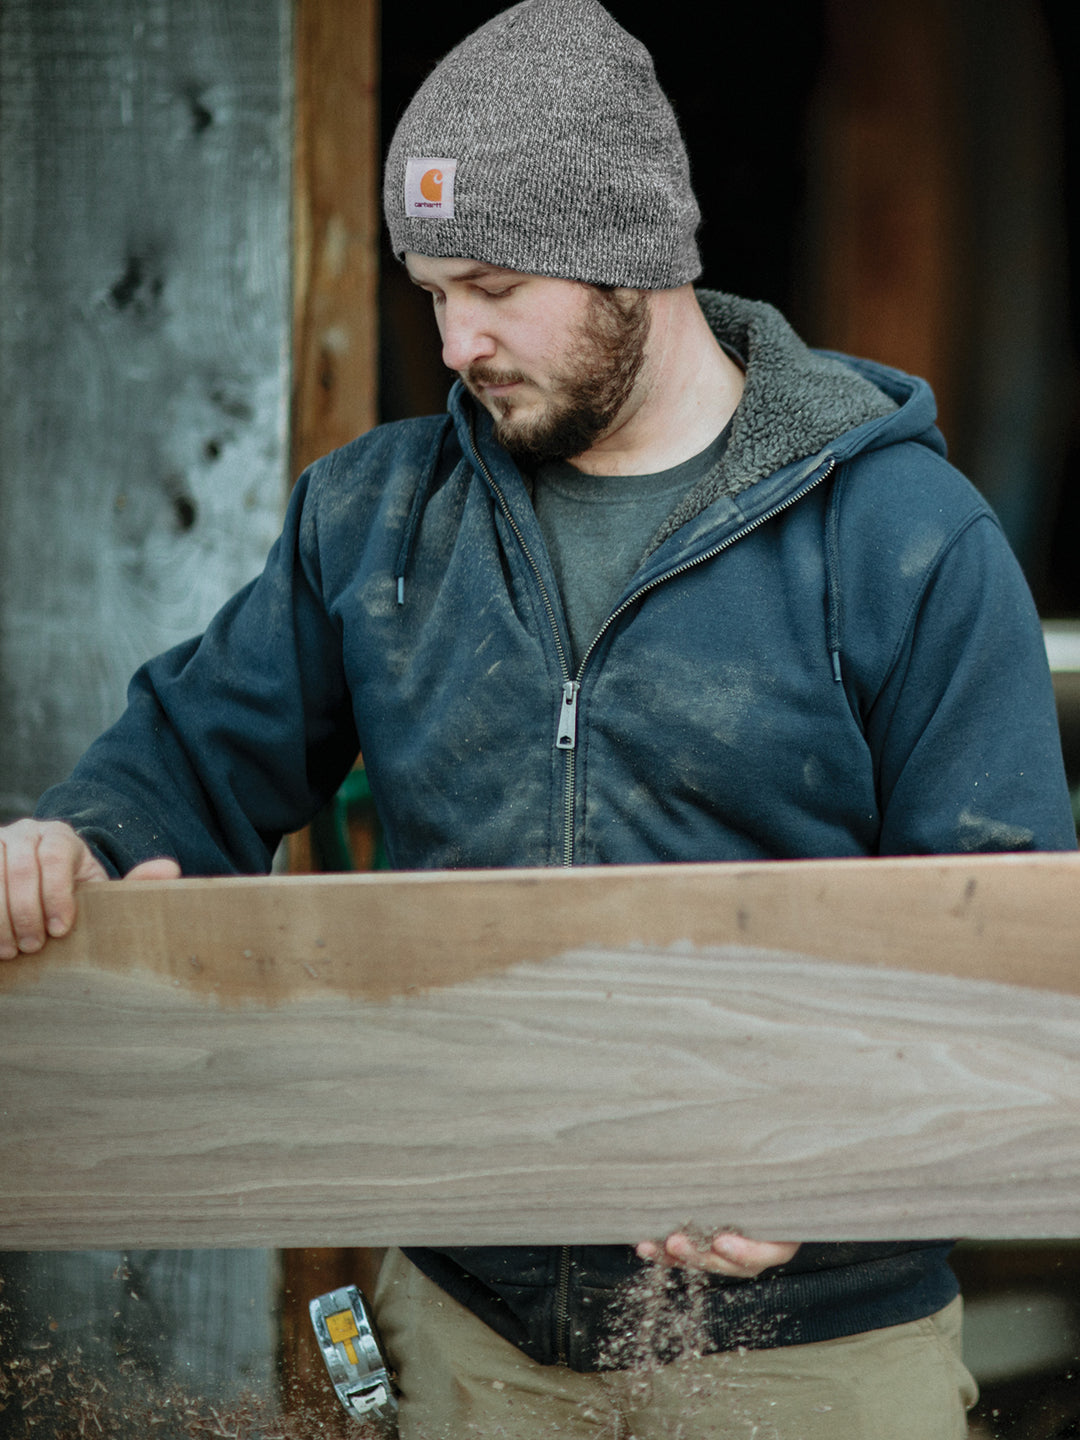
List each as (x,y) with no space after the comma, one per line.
(412,525)
(834,605)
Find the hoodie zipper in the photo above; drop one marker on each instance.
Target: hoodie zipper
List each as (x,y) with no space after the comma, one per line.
(566,737)
(562,1308)
(710,554)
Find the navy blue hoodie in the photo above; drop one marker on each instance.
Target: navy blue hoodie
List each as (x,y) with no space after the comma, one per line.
(828,650)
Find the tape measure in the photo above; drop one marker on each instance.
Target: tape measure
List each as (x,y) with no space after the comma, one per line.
(357,1367)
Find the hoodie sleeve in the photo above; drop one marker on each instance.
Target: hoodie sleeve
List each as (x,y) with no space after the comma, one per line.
(228,741)
(963,728)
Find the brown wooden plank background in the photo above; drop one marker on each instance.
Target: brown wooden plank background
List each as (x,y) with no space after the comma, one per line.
(335,262)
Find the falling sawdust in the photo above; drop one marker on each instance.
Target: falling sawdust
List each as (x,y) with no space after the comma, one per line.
(666,1314)
(660,1316)
(48,1393)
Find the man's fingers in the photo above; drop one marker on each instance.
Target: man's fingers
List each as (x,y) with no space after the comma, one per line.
(40,862)
(9,946)
(677,1250)
(724,1254)
(750,1257)
(63,861)
(21,901)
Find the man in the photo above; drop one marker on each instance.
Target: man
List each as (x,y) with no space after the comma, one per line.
(664,585)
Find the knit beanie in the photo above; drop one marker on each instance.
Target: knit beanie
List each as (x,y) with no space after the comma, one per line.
(544,144)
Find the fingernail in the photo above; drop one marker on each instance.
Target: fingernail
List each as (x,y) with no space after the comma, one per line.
(56,928)
(29,945)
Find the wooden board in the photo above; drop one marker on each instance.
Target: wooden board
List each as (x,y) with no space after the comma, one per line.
(806,1049)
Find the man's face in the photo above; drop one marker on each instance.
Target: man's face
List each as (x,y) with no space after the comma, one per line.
(554,362)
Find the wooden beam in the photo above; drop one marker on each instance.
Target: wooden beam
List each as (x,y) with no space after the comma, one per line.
(890,255)
(144,384)
(335,225)
(335,264)
(335,253)
(813,1049)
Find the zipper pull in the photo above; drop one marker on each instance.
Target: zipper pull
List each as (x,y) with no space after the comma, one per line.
(567,737)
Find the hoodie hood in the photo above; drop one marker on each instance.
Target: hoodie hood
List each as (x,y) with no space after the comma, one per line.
(800,404)
(796,399)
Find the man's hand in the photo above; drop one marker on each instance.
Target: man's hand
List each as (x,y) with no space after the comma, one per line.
(41,862)
(726,1253)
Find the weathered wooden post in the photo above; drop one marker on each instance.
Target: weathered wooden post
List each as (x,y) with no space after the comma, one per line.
(144,393)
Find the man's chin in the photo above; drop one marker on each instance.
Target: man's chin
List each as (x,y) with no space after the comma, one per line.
(514,438)
(535,431)
(533,445)
(516,421)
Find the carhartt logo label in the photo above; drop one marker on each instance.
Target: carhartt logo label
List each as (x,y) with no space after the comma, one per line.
(429,187)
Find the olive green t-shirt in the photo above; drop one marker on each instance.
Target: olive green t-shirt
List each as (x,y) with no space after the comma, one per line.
(598,527)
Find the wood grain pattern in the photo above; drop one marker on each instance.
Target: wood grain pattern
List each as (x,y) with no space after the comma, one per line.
(203,1319)
(889,255)
(427,1058)
(335,389)
(143,394)
(1011,918)
(336,221)
(144,321)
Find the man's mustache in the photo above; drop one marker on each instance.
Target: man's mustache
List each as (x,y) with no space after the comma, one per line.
(477,375)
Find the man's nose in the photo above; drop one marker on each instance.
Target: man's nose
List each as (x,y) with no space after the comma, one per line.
(465,338)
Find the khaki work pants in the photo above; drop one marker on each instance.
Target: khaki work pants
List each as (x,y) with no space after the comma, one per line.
(459,1379)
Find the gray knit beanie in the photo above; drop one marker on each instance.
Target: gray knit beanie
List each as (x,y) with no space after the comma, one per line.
(543,143)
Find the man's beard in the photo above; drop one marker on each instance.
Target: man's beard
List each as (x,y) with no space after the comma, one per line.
(586,398)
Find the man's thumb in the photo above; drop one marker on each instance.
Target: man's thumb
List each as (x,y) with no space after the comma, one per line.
(161,869)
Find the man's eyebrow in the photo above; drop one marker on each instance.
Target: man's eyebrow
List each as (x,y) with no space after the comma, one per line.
(477,272)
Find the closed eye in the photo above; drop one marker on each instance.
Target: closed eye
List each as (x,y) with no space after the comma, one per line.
(494,290)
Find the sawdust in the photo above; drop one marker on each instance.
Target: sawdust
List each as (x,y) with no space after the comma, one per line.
(667,1314)
(48,1392)
(52,1397)
(660,1316)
